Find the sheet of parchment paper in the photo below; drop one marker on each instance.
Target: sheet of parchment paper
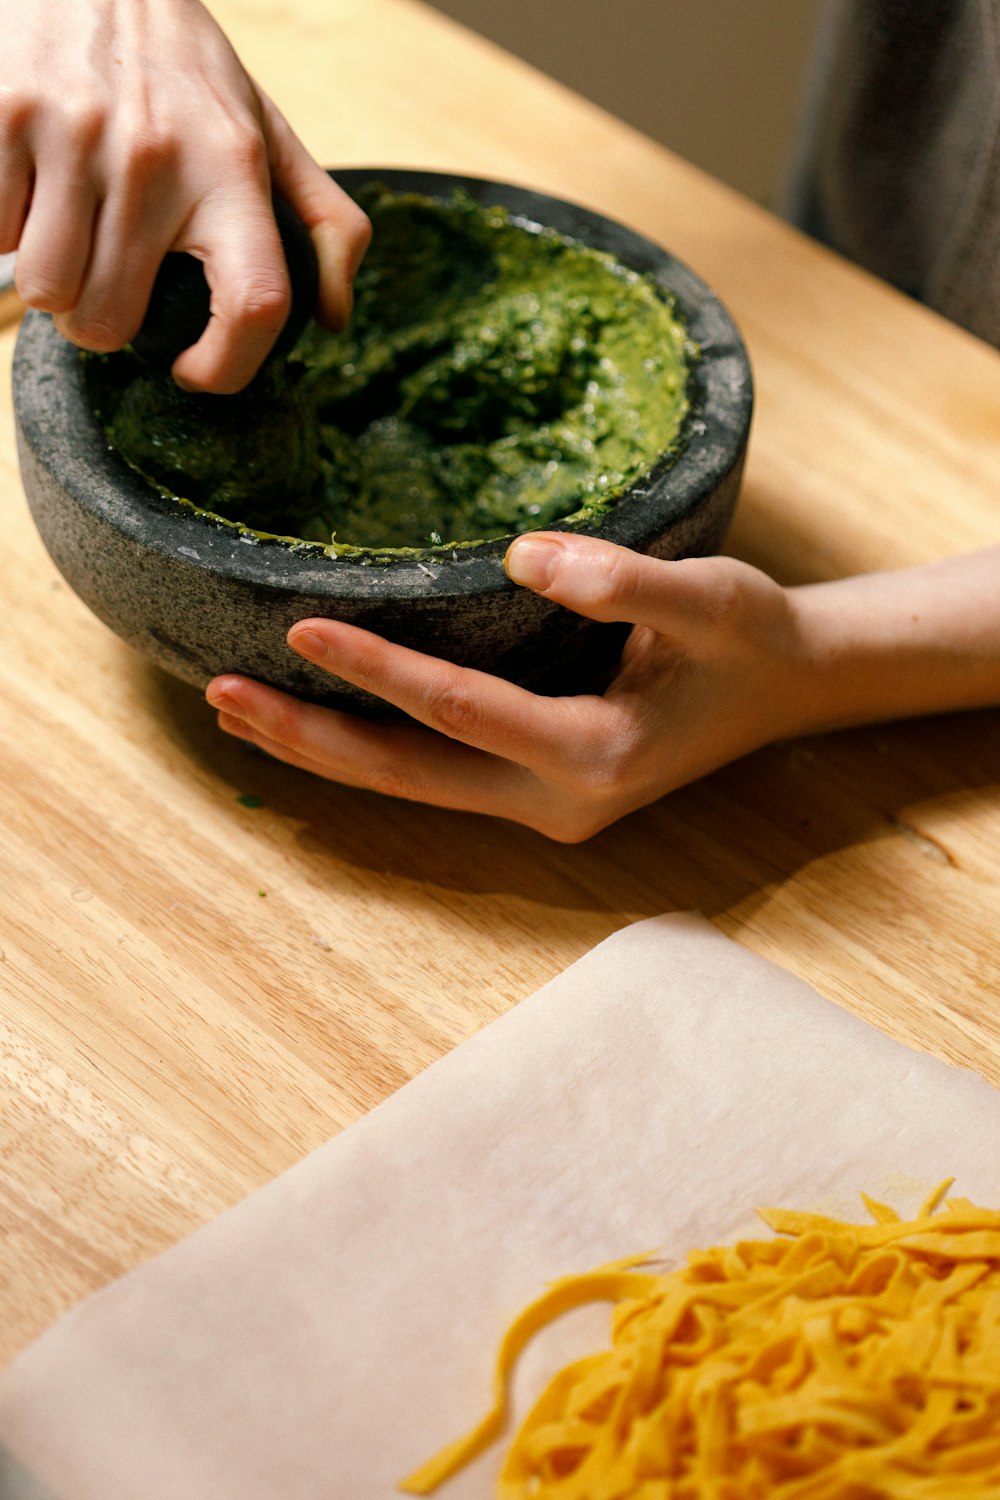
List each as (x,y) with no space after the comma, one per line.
(326,1335)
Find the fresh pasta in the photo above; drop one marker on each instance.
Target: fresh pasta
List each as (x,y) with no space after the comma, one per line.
(836,1361)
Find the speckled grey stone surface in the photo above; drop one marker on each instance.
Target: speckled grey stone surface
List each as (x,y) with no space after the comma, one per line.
(198,598)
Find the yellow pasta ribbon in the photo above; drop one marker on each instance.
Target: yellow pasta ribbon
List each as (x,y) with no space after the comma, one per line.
(607,1284)
(837,1361)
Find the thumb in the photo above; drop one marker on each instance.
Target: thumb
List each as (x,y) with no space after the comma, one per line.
(609,582)
(702,602)
(593,578)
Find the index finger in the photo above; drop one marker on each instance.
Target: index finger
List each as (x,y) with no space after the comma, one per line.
(554,737)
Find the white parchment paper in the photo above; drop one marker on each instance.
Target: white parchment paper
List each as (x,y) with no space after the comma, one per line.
(329,1333)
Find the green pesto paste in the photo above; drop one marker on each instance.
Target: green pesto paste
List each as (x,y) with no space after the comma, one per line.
(494,378)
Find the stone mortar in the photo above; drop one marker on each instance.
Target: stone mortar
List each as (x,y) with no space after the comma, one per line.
(198,598)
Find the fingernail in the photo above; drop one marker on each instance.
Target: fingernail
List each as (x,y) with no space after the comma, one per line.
(308,643)
(532,561)
(219,698)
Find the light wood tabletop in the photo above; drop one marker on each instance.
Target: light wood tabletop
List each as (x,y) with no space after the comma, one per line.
(210,963)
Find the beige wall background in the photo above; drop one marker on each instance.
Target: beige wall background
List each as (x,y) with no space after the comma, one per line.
(718,81)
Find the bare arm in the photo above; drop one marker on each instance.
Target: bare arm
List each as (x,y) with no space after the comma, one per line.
(721,660)
(890,645)
(129,128)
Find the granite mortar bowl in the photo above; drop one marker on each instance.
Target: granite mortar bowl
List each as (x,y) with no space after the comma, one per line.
(199,598)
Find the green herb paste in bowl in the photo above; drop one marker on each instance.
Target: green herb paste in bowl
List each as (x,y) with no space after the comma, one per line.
(496,377)
(514,361)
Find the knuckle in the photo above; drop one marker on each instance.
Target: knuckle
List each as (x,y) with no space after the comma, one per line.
(594,779)
(602,782)
(453,710)
(263,299)
(253,295)
(282,724)
(84,120)
(395,780)
(18,108)
(43,291)
(35,295)
(246,147)
(723,593)
(621,568)
(94,331)
(574,823)
(153,152)
(574,815)
(613,581)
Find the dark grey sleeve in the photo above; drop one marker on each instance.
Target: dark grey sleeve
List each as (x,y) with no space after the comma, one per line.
(898,161)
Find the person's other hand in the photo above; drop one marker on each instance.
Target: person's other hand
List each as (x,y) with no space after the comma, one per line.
(706,676)
(129,128)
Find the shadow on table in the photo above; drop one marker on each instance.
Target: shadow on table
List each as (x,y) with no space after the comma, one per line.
(711,846)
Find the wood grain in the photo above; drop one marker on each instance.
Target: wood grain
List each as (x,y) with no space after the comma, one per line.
(194,992)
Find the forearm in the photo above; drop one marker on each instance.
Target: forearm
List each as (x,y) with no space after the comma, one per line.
(890,645)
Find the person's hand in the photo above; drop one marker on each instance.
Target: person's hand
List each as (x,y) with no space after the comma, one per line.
(706,676)
(721,660)
(129,128)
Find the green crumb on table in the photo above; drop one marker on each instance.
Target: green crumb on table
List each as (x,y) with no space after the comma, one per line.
(495,377)
(262,893)
(250,799)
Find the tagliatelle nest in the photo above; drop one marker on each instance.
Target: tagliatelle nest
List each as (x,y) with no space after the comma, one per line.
(835,1362)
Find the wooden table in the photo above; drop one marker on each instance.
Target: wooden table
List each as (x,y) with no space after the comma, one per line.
(195,990)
